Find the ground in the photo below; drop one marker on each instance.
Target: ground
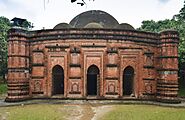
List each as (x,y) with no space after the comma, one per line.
(144,112)
(85,110)
(90,112)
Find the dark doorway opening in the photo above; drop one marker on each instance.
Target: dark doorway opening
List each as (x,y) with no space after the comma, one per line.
(58,80)
(93,80)
(128,79)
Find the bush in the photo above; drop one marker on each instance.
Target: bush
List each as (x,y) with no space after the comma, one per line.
(3,88)
(182,92)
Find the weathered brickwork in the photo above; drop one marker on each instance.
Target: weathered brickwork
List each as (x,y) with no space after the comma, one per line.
(100,63)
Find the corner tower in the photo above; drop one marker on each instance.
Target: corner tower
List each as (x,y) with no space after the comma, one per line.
(167,84)
(18,65)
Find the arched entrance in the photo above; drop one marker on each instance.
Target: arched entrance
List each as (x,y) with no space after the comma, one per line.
(57,80)
(128,80)
(93,80)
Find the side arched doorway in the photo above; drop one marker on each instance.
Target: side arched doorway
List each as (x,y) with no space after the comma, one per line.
(93,80)
(57,80)
(128,80)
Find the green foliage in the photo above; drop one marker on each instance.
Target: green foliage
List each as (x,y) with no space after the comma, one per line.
(3,88)
(181,15)
(180,18)
(152,26)
(144,112)
(26,24)
(182,92)
(4,27)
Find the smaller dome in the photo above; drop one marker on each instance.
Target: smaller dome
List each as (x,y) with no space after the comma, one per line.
(93,25)
(62,25)
(125,26)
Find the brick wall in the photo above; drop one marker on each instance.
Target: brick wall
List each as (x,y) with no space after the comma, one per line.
(111,51)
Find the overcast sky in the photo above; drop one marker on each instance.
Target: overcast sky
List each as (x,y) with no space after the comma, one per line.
(57,11)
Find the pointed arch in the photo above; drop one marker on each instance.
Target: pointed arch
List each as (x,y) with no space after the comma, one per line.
(57,80)
(128,80)
(92,80)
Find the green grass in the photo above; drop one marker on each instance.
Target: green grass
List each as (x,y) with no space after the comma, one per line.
(32,112)
(144,112)
(3,88)
(182,92)
(118,112)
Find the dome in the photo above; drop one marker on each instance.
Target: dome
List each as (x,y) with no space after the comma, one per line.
(93,25)
(94,16)
(62,25)
(125,26)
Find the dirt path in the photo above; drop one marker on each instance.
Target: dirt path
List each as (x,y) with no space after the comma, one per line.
(100,111)
(77,112)
(84,112)
(72,112)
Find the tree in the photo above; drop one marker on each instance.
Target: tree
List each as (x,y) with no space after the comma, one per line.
(26,24)
(4,27)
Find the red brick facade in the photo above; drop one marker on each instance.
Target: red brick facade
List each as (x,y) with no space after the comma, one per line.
(92,63)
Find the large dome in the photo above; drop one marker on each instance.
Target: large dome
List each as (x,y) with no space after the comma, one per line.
(94,16)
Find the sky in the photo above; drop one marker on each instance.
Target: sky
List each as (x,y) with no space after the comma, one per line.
(56,11)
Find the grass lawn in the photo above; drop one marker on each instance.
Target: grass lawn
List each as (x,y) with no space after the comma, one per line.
(144,112)
(3,89)
(32,112)
(70,112)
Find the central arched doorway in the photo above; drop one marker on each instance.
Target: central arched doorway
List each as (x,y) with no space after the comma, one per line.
(57,80)
(93,80)
(128,80)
